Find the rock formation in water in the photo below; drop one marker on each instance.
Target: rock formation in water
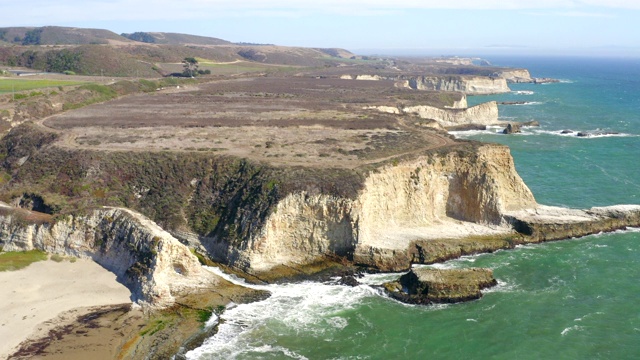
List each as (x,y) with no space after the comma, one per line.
(426,286)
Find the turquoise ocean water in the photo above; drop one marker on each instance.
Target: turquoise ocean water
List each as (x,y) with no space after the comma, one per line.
(574,299)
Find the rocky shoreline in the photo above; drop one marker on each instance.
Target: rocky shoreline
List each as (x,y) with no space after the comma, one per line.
(379,186)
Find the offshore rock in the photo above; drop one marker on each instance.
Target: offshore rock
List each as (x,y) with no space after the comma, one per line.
(512,129)
(426,286)
(148,260)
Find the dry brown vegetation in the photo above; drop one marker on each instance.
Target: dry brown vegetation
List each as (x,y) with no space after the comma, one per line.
(304,120)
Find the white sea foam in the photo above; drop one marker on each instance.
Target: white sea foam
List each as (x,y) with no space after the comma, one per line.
(502,286)
(572,328)
(530,103)
(308,307)
(594,134)
(379,279)
(523,92)
(491,130)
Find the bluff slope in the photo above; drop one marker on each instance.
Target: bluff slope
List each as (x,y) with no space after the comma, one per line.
(260,218)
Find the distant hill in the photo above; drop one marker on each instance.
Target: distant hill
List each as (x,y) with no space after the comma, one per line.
(57,35)
(146,54)
(174,39)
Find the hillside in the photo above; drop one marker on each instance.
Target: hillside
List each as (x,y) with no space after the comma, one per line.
(57,35)
(174,38)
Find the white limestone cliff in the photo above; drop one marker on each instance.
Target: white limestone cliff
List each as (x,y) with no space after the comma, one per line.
(483,114)
(149,261)
(434,196)
(470,85)
(515,75)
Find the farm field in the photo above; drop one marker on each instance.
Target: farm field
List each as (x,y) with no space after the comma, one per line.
(8,85)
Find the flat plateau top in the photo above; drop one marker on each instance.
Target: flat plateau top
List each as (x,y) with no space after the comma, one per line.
(305,120)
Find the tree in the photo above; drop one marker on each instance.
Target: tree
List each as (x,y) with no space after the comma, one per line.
(190,65)
(140,36)
(32,37)
(63,60)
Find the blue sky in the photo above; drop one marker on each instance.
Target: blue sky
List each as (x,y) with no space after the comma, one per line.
(462,27)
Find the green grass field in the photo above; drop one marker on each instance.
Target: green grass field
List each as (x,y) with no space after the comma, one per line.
(20,259)
(17,85)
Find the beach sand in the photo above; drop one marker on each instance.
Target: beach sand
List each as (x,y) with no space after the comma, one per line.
(33,298)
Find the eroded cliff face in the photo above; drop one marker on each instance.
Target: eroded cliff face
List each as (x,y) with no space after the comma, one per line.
(483,114)
(424,198)
(145,258)
(515,75)
(301,229)
(460,104)
(471,85)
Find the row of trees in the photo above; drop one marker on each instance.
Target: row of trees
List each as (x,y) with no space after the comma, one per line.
(53,61)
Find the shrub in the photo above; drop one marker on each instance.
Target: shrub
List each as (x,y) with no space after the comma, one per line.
(57,258)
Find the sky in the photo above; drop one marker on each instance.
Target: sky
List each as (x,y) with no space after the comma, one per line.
(395,27)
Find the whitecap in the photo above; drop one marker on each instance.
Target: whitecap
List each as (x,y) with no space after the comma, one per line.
(502,286)
(523,92)
(572,328)
(530,103)
(337,322)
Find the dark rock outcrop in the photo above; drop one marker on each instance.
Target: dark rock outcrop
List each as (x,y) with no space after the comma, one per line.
(426,286)
(512,129)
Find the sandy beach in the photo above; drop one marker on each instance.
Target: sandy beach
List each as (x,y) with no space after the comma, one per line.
(44,290)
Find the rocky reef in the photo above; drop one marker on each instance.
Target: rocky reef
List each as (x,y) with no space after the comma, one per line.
(427,286)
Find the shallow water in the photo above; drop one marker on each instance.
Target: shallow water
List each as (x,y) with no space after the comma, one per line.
(574,299)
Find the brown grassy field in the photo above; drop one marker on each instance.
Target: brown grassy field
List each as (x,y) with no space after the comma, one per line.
(304,120)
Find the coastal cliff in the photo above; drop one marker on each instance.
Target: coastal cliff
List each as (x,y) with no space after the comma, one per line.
(515,75)
(433,196)
(430,205)
(467,84)
(470,85)
(451,116)
(482,114)
(148,260)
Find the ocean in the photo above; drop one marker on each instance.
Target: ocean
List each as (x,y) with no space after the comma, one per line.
(572,299)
